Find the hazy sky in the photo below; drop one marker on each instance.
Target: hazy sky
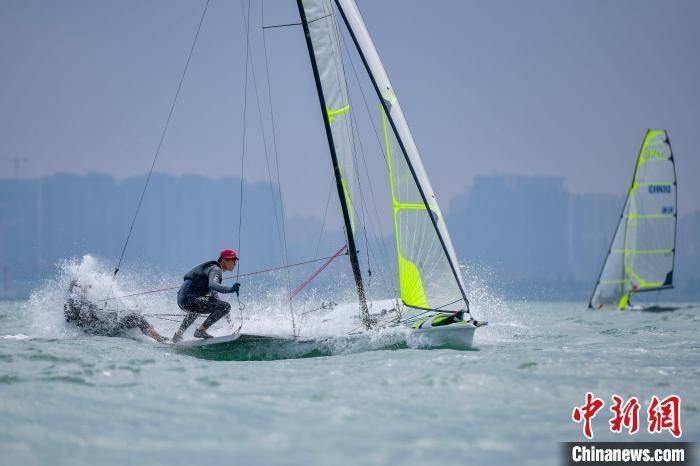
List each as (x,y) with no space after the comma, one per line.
(555,87)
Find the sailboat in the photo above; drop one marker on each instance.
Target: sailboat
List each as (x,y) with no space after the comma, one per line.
(432,308)
(431,286)
(641,256)
(432,294)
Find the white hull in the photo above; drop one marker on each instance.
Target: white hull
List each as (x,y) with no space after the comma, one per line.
(236,337)
(243,346)
(454,336)
(198,343)
(651,308)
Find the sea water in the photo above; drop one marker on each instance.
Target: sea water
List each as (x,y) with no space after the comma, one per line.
(69,398)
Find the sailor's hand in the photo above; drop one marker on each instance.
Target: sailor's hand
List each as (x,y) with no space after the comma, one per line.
(235,287)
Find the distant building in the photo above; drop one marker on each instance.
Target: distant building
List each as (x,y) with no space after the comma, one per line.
(535,239)
(528,234)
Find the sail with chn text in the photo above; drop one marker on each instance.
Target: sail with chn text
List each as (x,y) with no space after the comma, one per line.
(641,257)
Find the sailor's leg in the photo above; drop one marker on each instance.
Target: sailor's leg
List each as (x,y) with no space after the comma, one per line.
(219,309)
(151,332)
(186,322)
(135,320)
(191,306)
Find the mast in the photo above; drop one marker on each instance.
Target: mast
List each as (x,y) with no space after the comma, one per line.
(675,209)
(352,249)
(402,145)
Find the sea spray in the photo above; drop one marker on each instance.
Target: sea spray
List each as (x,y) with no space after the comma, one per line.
(44,309)
(326,314)
(263,307)
(487,304)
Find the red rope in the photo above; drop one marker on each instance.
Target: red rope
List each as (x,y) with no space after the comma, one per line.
(317,272)
(329,259)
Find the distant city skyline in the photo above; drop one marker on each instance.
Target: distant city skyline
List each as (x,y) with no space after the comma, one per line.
(556,88)
(525,235)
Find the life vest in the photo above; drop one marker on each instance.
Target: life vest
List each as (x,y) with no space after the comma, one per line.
(199,279)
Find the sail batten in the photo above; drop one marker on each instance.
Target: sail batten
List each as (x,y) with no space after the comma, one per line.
(641,257)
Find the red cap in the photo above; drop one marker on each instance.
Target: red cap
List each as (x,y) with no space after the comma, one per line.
(228,254)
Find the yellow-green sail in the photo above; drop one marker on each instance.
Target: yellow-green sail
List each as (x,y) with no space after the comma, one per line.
(426,280)
(428,271)
(641,257)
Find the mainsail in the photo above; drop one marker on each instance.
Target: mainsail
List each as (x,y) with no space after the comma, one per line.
(641,257)
(322,39)
(428,271)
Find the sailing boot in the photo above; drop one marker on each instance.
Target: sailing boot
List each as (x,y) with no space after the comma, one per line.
(201,333)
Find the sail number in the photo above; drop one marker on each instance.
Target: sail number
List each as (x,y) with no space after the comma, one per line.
(659,189)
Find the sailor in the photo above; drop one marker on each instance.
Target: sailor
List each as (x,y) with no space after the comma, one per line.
(87,315)
(199,293)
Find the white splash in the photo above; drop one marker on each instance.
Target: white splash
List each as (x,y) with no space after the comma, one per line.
(263,307)
(486,304)
(45,305)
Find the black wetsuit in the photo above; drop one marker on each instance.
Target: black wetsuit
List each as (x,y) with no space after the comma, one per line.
(198,294)
(91,319)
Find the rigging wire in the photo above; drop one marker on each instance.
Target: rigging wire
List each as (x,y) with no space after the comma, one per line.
(157,152)
(247,274)
(245,108)
(285,257)
(325,214)
(267,156)
(293,24)
(325,305)
(318,245)
(303,285)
